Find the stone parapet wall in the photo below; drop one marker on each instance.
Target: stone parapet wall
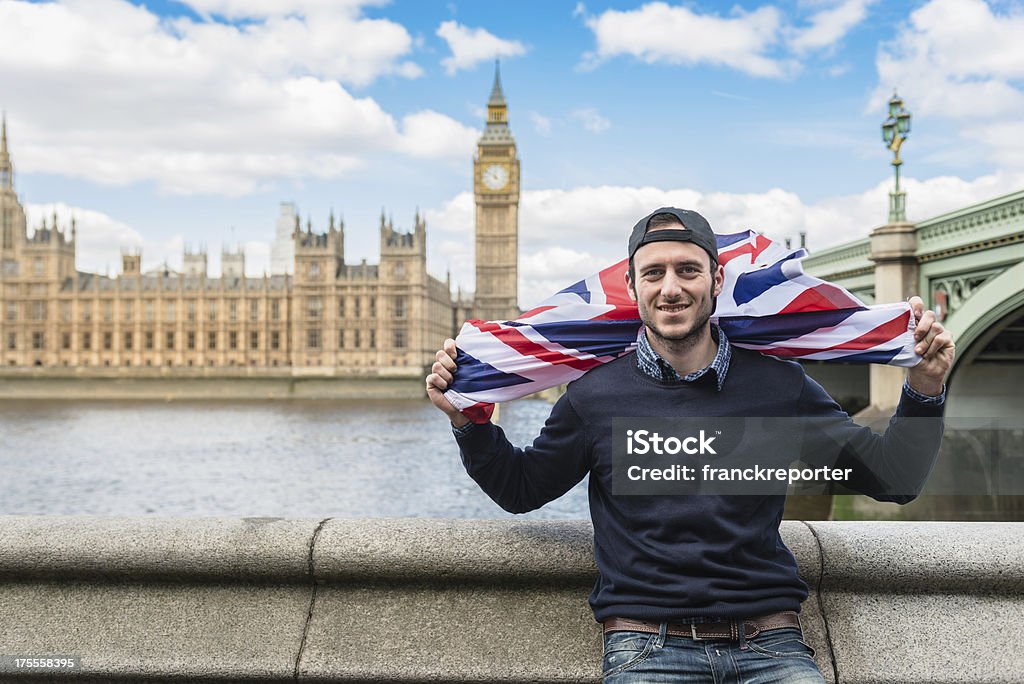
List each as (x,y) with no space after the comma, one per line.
(409,600)
(225,387)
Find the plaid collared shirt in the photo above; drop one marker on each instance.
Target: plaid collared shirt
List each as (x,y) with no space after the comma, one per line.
(656,367)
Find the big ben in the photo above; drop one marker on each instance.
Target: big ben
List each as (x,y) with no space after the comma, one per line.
(496,191)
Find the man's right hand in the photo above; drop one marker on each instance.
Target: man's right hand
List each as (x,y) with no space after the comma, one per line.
(441,375)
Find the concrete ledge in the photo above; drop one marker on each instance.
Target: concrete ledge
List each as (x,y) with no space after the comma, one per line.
(271,600)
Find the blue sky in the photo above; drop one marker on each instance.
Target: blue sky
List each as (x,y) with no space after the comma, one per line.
(163,123)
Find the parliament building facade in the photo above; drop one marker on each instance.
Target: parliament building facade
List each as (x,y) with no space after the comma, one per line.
(325,316)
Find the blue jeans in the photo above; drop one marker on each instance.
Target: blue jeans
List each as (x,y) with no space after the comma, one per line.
(779,655)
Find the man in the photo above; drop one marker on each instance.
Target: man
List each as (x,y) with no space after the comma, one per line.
(695,588)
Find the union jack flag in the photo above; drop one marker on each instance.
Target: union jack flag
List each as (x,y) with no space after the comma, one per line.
(767,304)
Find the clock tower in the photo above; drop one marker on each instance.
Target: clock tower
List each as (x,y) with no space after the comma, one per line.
(496,191)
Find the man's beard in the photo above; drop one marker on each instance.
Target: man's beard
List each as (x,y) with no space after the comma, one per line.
(688,338)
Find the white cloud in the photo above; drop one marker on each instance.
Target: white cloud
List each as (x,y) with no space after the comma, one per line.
(580,10)
(961,61)
(205,107)
(760,43)
(657,32)
(471,46)
(246,9)
(591,119)
(828,26)
(100,238)
(566,235)
(541,123)
(432,135)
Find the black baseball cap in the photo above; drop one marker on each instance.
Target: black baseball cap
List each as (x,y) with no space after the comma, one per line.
(696,229)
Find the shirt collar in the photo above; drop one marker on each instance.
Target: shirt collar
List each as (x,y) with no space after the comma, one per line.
(653,365)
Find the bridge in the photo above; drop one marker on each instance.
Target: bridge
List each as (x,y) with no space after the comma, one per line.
(968,266)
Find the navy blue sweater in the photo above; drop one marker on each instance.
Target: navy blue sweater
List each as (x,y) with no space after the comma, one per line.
(679,557)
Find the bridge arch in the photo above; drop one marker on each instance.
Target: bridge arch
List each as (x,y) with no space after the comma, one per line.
(978,388)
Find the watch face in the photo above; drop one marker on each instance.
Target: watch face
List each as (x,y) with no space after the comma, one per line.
(495,177)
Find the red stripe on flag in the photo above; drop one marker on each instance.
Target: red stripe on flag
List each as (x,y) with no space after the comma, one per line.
(616,294)
(479,413)
(754,249)
(823,297)
(534,312)
(885,332)
(514,339)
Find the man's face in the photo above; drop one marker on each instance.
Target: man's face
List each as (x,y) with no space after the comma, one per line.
(674,287)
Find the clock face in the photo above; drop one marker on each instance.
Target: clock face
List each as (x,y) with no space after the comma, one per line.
(495,177)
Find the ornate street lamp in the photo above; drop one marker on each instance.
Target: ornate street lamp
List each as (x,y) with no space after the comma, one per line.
(895,130)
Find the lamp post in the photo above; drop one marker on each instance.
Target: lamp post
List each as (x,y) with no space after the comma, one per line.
(895,130)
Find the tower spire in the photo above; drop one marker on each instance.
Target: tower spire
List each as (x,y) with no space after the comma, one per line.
(497,96)
(6,169)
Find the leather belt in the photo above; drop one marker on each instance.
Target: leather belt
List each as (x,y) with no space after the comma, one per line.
(723,629)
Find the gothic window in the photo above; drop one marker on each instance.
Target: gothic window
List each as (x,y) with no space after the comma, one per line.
(127,341)
(149,309)
(86,311)
(38,311)
(12,311)
(275,310)
(400,269)
(254,340)
(38,340)
(38,267)
(341,307)
(211,312)
(341,338)
(191,340)
(169,311)
(373,339)
(170,340)
(12,341)
(191,308)
(313,338)
(233,310)
(232,340)
(399,307)
(275,340)
(65,342)
(314,305)
(128,306)
(87,341)
(356,301)
(373,307)
(358,342)
(399,340)
(108,341)
(314,269)
(65,311)
(211,341)
(108,311)
(149,340)
(254,310)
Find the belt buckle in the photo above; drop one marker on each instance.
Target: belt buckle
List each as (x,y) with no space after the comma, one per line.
(693,632)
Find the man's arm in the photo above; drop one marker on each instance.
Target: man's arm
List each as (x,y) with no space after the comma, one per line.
(518,480)
(893,466)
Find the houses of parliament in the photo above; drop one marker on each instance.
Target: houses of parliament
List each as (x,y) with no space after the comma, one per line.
(326,316)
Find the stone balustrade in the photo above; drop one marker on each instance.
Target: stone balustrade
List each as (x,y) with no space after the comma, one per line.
(410,600)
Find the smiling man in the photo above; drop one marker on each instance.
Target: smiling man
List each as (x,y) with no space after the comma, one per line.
(696,588)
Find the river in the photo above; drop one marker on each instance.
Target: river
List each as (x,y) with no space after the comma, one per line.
(393,458)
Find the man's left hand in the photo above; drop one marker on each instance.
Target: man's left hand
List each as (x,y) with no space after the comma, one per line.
(934,344)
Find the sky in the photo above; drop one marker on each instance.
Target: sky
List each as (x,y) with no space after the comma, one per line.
(163,124)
